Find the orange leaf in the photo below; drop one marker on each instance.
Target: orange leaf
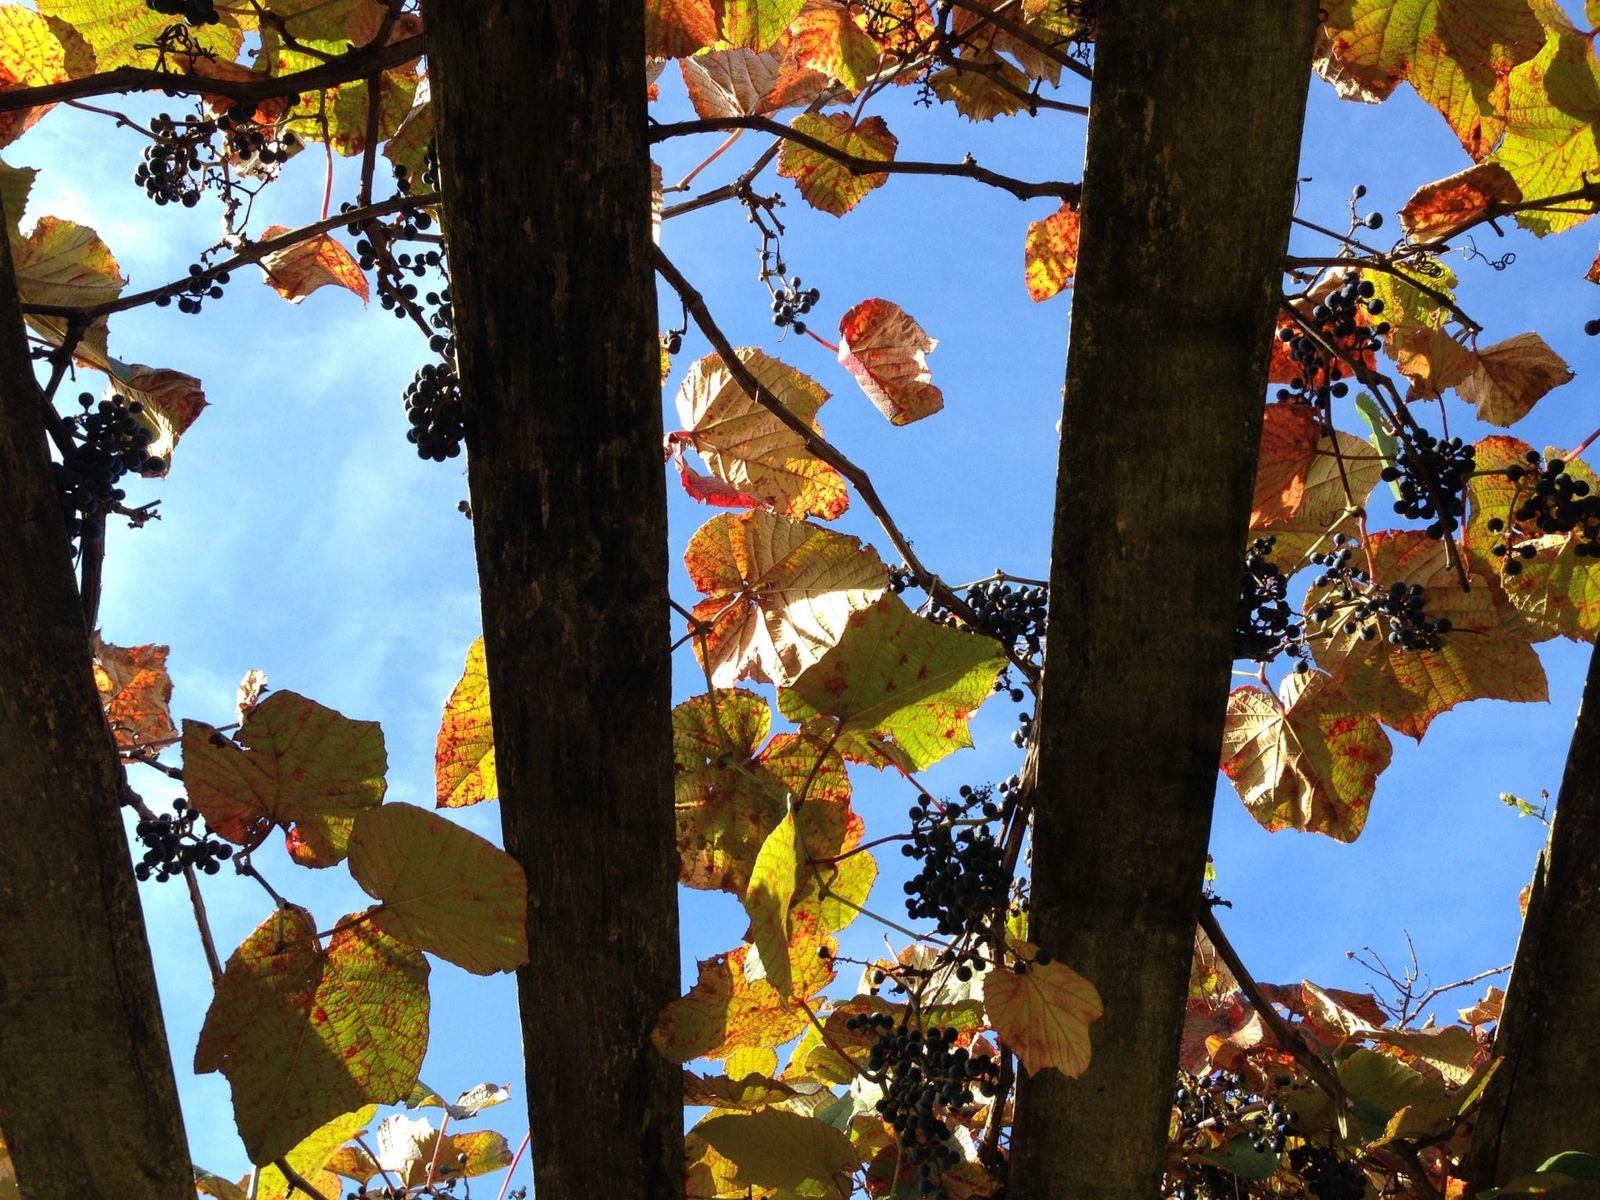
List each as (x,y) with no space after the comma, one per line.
(732,83)
(1511,376)
(675,28)
(1338,476)
(30,56)
(135,690)
(463,756)
(1289,437)
(1436,210)
(1050,253)
(826,38)
(824,182)
(1043,1014)
(887,351)
(294,273)
(1430,359)
(732,1008)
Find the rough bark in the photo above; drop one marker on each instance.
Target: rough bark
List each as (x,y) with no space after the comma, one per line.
(545,168)
(88,1102)
(1544,1097)
(1194,136)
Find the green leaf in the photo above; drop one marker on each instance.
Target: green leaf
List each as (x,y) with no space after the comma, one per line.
(1549,145)
(911,682)
(295,764)
(463,756)
(15,184)
(757,23)
(122,33)
(772,884)
(305,1035)
(442,888)
(731,1008)
(1381,1085)
(312,1156)
(1382,440)
(779,1149)
(1556,1172)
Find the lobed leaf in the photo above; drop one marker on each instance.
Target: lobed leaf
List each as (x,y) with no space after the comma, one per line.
(887,351)
(779,1149)
(826,183)
(1510,377)
(1043,1013)
(314,1158)
(827,39)
(1437,210)
(757,24)
(732,1009)
(677,28)
(62,262)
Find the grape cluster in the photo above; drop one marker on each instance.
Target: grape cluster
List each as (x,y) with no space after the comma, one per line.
(1271,1128)
(434,408)
(1432,475)
(925,1075)
(195,12)
(790,303)
(963,879)
(1337,321)
(113,443)
(1555,503)
(1015,616)
(171,168)
(201,285)
(1326,1175)
(1265,625)
(901,578)
(171,844)
(1359,606)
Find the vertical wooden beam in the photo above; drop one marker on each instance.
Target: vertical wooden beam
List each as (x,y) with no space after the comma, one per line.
(540,112)
(88,1101)
(1194,136)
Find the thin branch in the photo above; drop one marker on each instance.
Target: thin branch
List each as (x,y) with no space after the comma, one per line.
(1021,189)
(207,942)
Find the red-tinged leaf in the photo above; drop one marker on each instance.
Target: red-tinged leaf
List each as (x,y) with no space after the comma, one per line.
(293,763)
(677,28)
(1308,761)
(442,888)
(121,33)
(1485,655)
(780,1149)
(1337,478)
(1437,210)
(778,593)
(30,56)
(827,39)
(887,351)
(738,1095)
(755,459)
(757,24)
(1050,252)
(1043,1014)
(463,756)
(172,401)
(1552,105)
(1289,437)
(64,263)
(305,1035)
(1431,360)
(906,680)
(824,182)
(732,83)
(313,1159)
(1511,376)
(984,86)
(296,272)
(772,886)
(730,1008)
(135,691)
(1203,1019)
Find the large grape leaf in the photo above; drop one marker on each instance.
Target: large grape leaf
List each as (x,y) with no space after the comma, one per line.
(827,39)
(825,183)
(293,763)
(463,755)
(772,887)
(297,271)
(1556,593)
(338,116)
(1043,1013)
(334,25)
(1050,252)
(121,33)
(675,28)
(779,1149)
(305,1035)
(755,459)
(62,262)
(981,85)
(908,681)
(757,24)
(1289,437)
(30,56)
(1431,360)
(1336,478)
(135,691)
(732,83)
(441,887)
(1486,655)
(1436,210)
(1308,761)
(778,593)
(1509,377)
(887,351)
(732,1008)
(311,1159)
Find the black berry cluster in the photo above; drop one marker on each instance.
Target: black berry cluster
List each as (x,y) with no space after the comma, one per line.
(1326,1175)
(437,416)
(790,302)
(202,285)
(1218,1104)
(171,170)
(1548,501)
(901,578)
(963,881)
(1015,616)
(925,1076)
(195,12)
(172,843)
(1266,625)
(1336,320)
(1357,607)
(1432,475)
(113,443)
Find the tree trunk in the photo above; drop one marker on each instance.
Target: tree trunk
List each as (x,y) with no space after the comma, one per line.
(88,1102)
(545,169)
(1544,1097)
(1194,136)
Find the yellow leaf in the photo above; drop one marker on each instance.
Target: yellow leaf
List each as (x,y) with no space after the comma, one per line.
(1050,253)
(463,757)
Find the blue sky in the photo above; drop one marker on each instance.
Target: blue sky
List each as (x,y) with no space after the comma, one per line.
(300,534)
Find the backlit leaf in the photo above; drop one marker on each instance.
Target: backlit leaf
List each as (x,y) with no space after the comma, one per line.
(772,884)
(172,400)
(442,888)
(305,1035)
(887,351)
(1436,210)
(30,56)
(909,681)
(124,33)
(732,83)
(757,23)
(1309,761)
(62,262)
(778,593)
(824,182)
(293,763)
(313,1158)
(730,1009)
(1431,360)
(1289,437)
(774,1148)
(135,691)
(760,460)
(299,270)
(1549,145)
(1511,376)
(1339,478)
(982,85)
(826,38)
(1050,252)
(463,756)
(674,28)
(1043,1014)
(749,1093)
